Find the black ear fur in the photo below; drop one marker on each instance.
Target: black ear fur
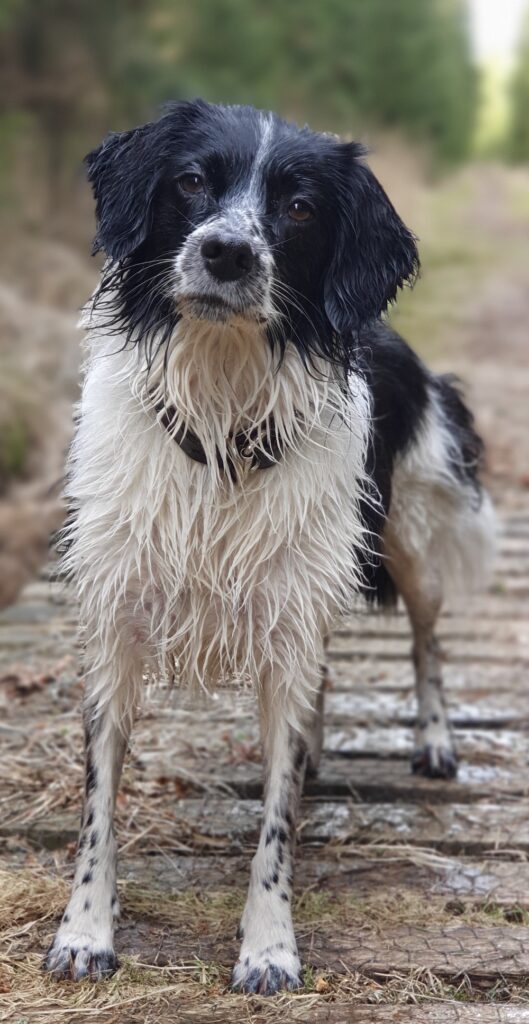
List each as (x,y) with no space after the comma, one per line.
(375,253)
(124,172)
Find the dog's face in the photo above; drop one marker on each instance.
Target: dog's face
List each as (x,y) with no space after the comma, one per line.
(223,213)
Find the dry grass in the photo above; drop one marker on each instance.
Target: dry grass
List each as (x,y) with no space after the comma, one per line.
(31,900)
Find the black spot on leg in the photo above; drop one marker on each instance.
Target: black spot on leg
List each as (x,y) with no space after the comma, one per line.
(285,897)
(270,835)
(66,917)
(90,818)
(288,819)
(93,839)
(113,902)
(92,862)
(87,878)
(434,718)
(86,906)
(266,885)
(281,836)
(423,724)
(275,878)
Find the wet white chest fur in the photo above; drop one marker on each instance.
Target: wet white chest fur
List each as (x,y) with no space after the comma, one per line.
(182,570)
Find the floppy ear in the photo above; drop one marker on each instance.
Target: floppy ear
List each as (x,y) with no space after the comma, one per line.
(375,252)
(124,172)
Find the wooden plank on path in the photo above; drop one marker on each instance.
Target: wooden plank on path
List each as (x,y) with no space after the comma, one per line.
(454,829)
(368,779)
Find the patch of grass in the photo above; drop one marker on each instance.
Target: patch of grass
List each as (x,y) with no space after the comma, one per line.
(192,911)
(309,978)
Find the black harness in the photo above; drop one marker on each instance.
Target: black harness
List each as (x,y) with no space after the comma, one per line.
(259,448)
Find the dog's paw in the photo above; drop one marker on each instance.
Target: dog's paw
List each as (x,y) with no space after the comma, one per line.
(77,956)
(274,969)
(435,762)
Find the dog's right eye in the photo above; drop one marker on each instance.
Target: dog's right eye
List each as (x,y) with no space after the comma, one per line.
(193,184)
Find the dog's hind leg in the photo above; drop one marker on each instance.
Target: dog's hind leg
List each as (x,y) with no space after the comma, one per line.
(268,958)
(83,945)
(420,586)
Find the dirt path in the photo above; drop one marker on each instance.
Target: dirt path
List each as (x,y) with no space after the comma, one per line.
(413,896)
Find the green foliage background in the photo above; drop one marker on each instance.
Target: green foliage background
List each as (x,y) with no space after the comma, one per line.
(72,69)
(519,128)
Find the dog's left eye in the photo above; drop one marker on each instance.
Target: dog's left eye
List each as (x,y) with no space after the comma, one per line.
(300,211)
(193,184)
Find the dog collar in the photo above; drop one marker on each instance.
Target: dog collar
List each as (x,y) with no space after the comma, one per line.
(258,450)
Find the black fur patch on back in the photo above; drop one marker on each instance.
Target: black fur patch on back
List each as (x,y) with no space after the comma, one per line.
(398,383)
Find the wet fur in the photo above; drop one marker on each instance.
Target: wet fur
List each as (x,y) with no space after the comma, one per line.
(210,578)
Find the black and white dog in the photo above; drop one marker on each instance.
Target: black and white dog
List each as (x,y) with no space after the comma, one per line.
(254,447)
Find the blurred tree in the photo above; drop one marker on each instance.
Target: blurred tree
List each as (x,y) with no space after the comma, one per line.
(415,71)
(519,129)
(64,65)
(71,69)
(404,65)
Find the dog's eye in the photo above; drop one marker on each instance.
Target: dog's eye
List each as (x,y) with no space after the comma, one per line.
(300,211)
(193,184)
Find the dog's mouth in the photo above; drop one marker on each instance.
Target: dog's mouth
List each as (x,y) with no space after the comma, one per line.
(215,308)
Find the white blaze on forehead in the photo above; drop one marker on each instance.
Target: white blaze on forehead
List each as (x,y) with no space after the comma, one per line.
(267,129)
(248,201)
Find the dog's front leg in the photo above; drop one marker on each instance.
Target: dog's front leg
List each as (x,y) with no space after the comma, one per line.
(83,945)
(268,958)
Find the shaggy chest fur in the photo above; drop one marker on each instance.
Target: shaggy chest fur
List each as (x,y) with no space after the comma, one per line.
(217,581)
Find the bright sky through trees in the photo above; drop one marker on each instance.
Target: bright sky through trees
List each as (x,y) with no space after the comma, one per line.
(496,27)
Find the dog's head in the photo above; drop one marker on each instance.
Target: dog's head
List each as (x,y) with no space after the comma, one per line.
(223,213)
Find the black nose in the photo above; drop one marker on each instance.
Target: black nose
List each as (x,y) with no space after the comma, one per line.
(227,258)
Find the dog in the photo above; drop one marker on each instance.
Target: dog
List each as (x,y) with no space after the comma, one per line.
(255,447)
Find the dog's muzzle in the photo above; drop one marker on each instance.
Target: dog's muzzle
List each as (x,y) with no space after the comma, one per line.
(224,270)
